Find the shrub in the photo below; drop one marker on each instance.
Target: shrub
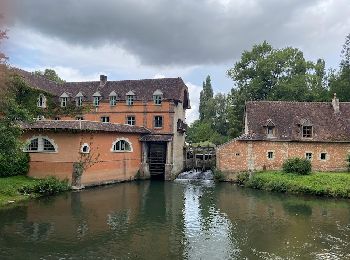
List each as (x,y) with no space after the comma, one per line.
(47,186)
(15,164)
(219,175)
(297,165)
(348,162)
(242,178)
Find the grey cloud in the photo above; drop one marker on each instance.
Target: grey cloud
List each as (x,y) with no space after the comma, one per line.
(165,32)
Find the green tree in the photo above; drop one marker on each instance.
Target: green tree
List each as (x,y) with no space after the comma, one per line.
(265,73)
(340,81)
(50,74)
(206,104)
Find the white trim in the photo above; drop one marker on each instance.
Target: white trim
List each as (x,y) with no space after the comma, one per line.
(124,151)
(40,144)
(81,148)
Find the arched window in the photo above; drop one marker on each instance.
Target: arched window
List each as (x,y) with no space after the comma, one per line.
(85,148)
(41,101)
(41,144)
(122,145)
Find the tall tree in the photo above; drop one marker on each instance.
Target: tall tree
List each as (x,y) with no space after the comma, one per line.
(340,81)
(265,73)
(206,101)
(50,74)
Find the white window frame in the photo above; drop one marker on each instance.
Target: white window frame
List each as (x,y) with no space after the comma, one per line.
(130,100)
(157,99)
(41,101)
(96,101)
(40,145)
(307,157)
(82,148)
(133,121)
(64,101)
(121,151)
(79,101)
(103,119)
(113,101)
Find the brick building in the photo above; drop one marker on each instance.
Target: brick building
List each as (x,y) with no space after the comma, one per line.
(135,126)
(277,130)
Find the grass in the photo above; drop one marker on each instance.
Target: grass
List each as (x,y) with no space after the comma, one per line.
(9,187)
(318,183)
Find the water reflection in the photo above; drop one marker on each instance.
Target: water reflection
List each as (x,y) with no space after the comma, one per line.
(180,220)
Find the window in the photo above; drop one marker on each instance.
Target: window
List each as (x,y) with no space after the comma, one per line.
(48,146)
(130,120)
(79,118)
(157,99)
(41,101)
(270,131)
(40,144)
(79,101)
(129,100)
(158,121)
(64,101)
(121,146)
(113,100)
(238,154)
(323,156)
(307,131)
(33,145)
(105,119)
(57,118)
(85,148)
(270,155)
(308,156)
(96,101)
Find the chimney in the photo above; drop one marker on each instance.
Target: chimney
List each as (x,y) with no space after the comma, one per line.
(103,80)
(335,103)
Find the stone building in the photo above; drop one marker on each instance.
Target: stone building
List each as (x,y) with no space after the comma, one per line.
(277,130)
(135,126)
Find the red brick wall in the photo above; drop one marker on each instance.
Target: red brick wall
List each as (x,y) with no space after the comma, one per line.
(253,155)
(111,166)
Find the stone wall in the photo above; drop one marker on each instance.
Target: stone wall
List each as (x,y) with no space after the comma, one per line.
(238,156)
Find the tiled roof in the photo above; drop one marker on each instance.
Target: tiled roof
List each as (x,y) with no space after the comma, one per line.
(156,138)
(288,118)
(82,125)
(172,88)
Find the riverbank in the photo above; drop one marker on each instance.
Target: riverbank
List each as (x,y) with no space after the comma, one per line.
(9,189)
(318,183)
(19,188)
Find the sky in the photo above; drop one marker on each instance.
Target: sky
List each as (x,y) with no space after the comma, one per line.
(136,39)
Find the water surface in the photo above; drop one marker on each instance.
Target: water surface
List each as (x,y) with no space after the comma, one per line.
(176,220)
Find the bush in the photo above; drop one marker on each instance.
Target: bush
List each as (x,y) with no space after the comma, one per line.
(15,164)
(297,165)
(242,178)
(47,186)
(219,175)
(348,162)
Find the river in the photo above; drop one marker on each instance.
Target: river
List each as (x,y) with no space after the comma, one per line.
(176,220)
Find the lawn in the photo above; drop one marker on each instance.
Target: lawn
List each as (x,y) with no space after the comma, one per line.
(9,188)
(318,183)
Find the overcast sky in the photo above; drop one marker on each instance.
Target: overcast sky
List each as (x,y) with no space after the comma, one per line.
(133,39)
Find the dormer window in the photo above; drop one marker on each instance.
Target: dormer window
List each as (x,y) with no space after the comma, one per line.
(97,96)
(270,130)
(64,99)
(158,97)
(41,101)
(113,98)
(79,99)
(130,97)
(307,131)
